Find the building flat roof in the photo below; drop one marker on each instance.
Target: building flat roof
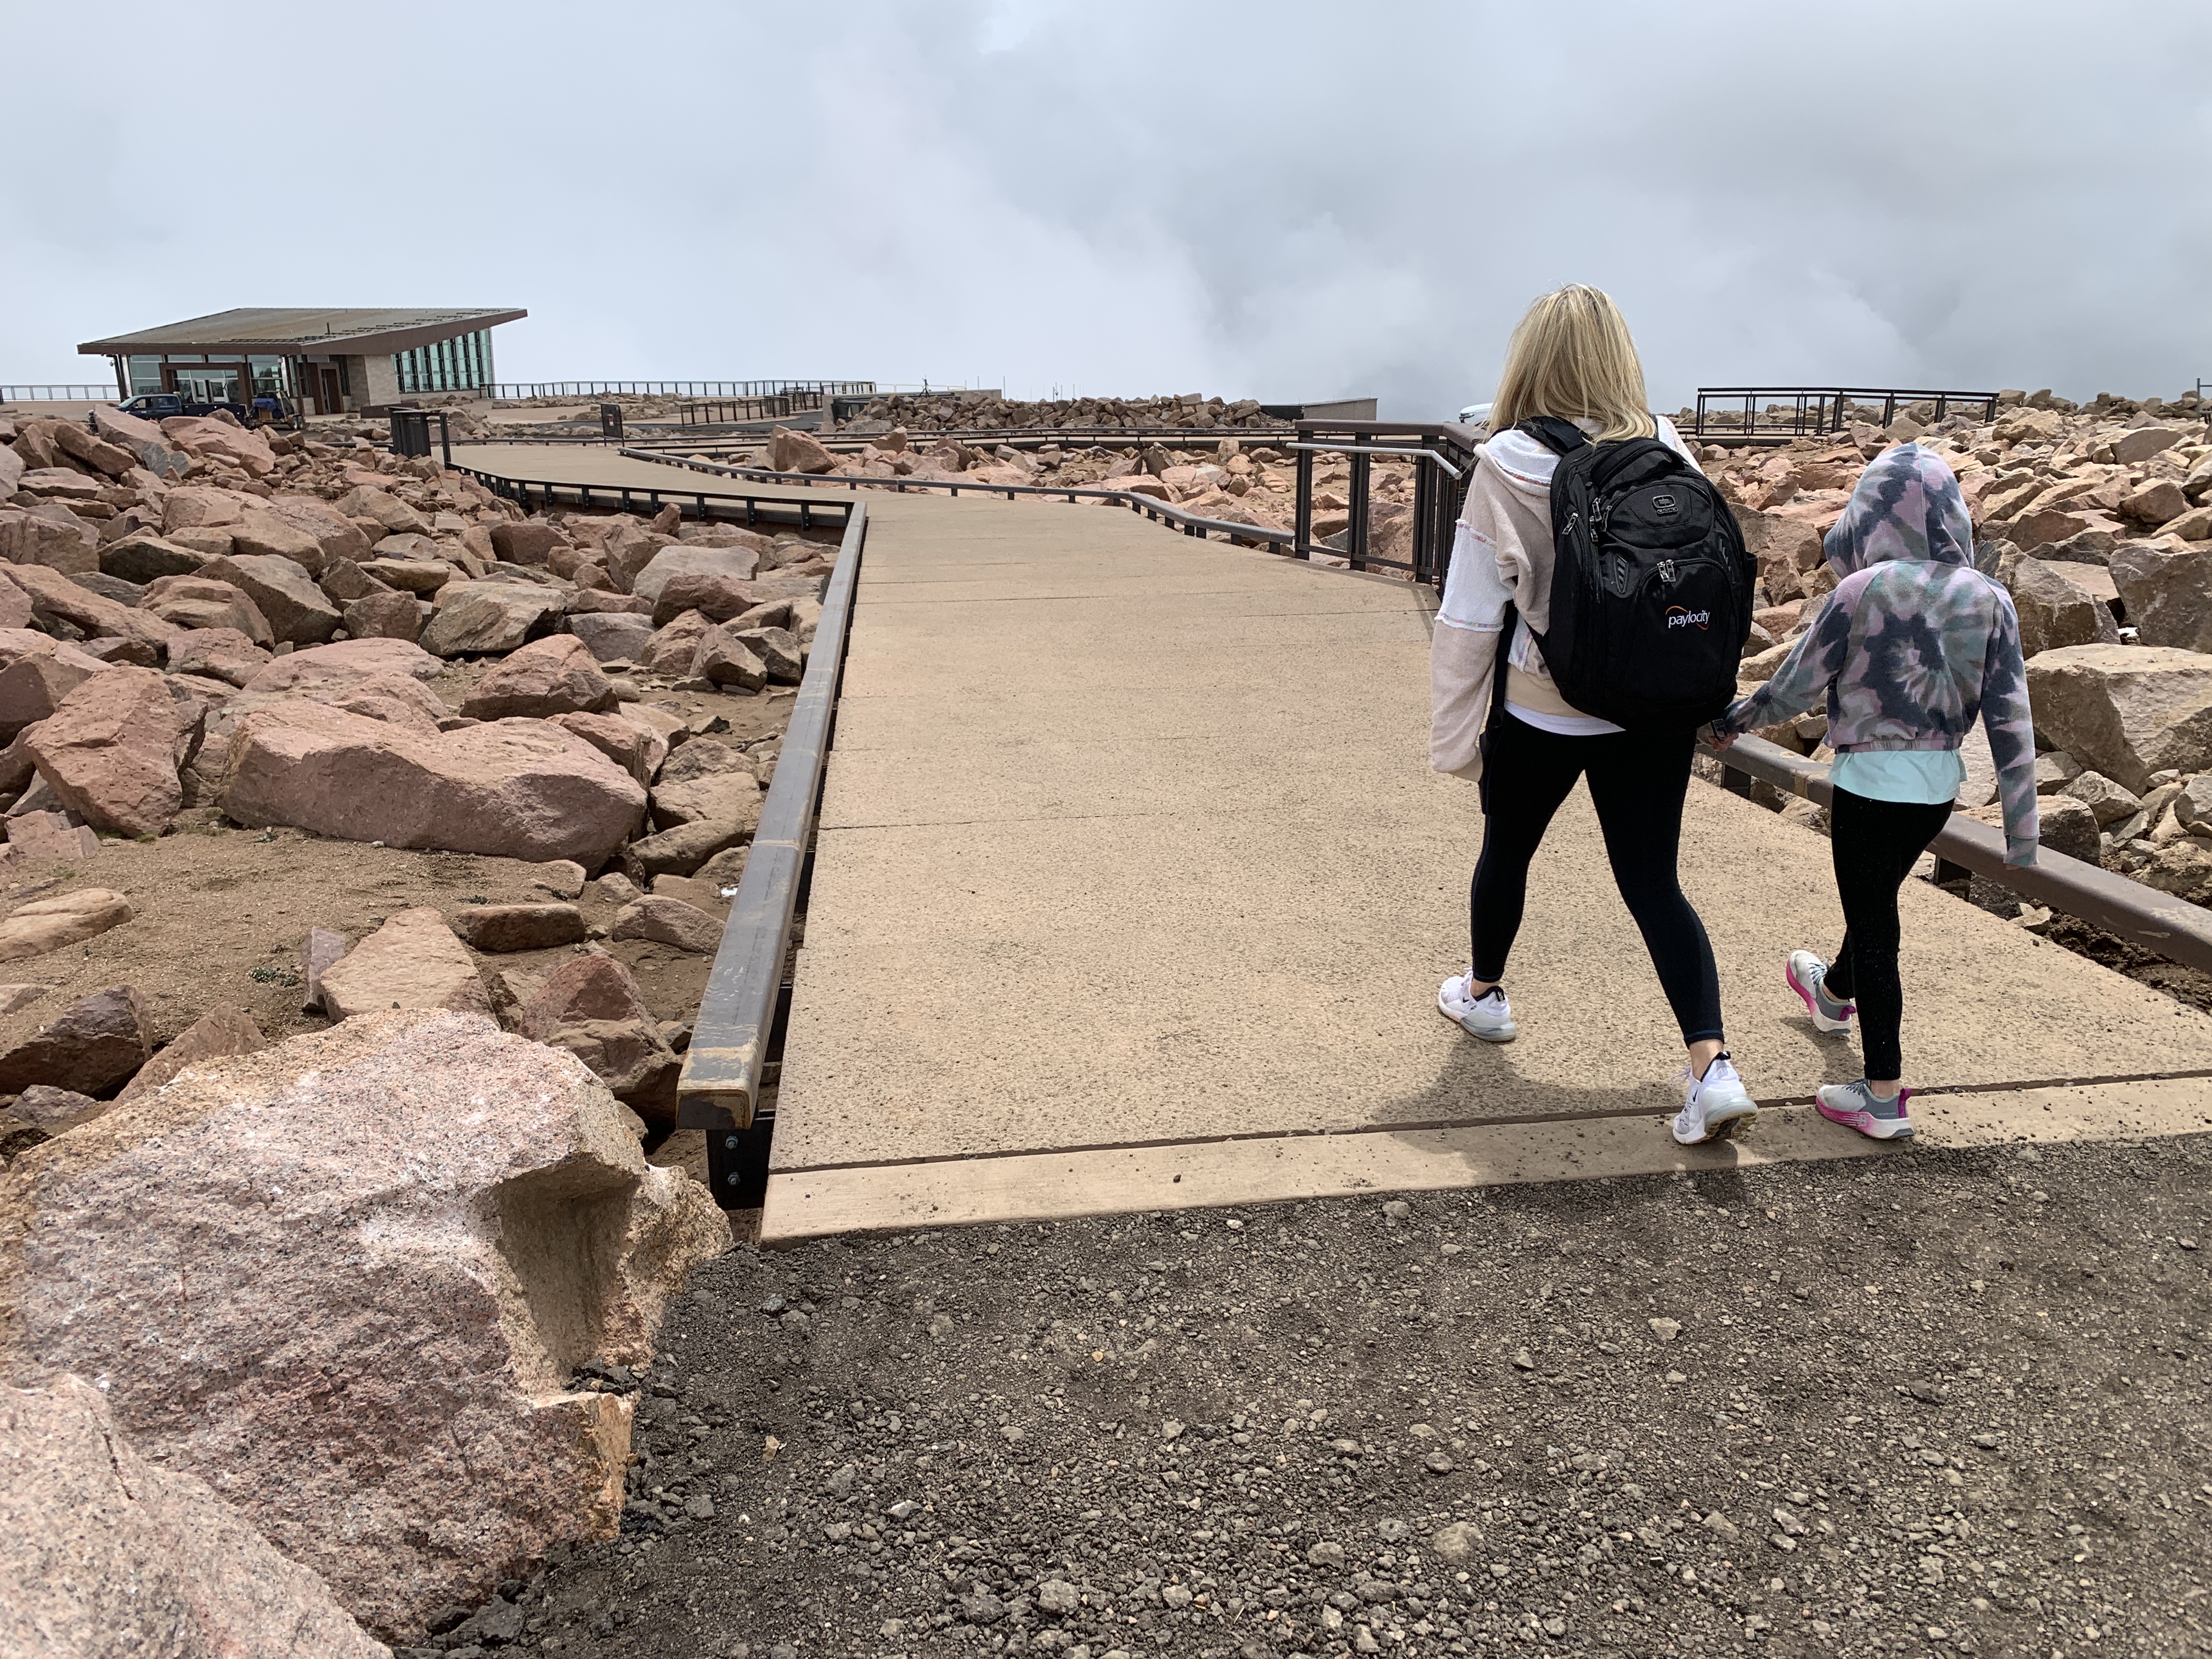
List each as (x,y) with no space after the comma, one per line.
(293,332)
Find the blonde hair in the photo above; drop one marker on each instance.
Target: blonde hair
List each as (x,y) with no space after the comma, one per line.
(1571,356)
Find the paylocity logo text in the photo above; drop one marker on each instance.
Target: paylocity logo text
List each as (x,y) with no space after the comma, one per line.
(1677,617)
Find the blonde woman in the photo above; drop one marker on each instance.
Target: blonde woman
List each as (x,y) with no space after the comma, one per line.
(1570,358)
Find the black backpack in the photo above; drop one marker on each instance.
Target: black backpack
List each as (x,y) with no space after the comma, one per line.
(1651,588)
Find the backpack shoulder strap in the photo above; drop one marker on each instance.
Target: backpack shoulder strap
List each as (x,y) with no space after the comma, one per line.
(1561,437)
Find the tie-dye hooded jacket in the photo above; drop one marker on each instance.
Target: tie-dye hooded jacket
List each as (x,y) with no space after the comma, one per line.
(1914,643)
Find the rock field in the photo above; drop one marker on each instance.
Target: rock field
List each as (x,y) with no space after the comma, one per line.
(211,630)
(368,842)
(983,410)
(2098,521)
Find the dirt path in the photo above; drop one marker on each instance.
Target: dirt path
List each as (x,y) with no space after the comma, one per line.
(1953,1403)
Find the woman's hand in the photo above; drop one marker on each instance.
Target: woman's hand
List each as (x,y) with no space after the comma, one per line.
(1718,738)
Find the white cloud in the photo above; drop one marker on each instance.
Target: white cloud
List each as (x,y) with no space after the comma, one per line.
(1297,200)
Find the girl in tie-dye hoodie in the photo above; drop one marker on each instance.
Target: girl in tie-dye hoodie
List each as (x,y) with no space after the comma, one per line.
(1912,646)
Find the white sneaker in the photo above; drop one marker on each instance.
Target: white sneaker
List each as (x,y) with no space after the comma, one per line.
(1714,1106)
(1808,976)
(1489,1016)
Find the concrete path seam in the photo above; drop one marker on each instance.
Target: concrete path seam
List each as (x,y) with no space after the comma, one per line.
(1430,1125)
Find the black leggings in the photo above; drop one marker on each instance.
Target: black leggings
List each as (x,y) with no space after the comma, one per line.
(1874,843)
(1636,782)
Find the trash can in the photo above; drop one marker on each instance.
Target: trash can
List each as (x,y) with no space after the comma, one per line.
(610,422)
(410,432)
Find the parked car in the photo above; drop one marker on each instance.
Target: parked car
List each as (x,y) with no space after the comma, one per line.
(160,406)
(1476,415)
(267,407)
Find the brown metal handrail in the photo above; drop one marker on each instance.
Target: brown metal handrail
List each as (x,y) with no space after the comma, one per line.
(1812,411)
(1191,524)
(1438,488)
(2160,923)
(731,412)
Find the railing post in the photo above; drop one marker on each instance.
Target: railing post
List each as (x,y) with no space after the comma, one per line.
(1428,479)
(1301,523)
(1355,539)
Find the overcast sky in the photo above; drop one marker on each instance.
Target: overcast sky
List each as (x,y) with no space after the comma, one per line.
(1287,201)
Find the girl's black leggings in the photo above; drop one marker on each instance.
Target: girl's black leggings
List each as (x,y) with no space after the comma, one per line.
(1636,782)
(1874,843)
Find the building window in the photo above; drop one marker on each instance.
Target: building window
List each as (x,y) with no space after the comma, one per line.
(214,383)
(268,375)
(145,374)
(454,365)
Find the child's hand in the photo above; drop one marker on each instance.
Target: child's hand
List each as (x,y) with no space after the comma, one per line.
(1718,738)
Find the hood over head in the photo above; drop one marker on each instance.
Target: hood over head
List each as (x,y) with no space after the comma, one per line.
(1907,507)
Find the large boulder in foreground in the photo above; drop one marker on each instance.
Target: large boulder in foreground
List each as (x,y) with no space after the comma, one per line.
(739,564)
(142,438)
(109,751)
(401,1236)
(203,435)
(2055,611)
(479,617)
(343,663)
(523,789)
(2167,589)
(799,452)
(413,961)
(556,675)
(54,597)
(36,672)
(93,1047)
(592,1006)
(105,1553)
(299,612)
(48,923)
(2124,710)
(335,535)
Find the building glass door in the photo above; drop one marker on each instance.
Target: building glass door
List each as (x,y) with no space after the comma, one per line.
(208,383)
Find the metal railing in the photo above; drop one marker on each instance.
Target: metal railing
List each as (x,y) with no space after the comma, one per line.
(1443,456)
(730,410)
(1805,411)
(507,391)
(728,506)
(736,1036)
(2159,922)
(60,394)
(1191,524)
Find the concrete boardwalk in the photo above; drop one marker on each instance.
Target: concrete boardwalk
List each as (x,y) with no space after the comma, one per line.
(1132,891)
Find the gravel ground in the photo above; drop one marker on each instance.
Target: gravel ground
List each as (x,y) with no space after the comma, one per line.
(1951,1403)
